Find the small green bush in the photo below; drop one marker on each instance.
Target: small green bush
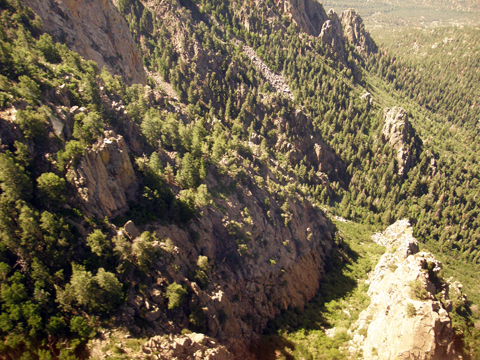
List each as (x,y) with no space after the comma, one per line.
(176,295)
(411,311)
(417,290)
(51,188)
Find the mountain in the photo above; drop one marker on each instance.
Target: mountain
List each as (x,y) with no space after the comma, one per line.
(380,15)
(201,178)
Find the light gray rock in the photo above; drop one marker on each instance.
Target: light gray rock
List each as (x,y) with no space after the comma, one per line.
(398,132)
(96,30)
(355,33)
(397,324)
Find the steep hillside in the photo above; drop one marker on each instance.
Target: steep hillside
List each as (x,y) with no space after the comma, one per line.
(199,202)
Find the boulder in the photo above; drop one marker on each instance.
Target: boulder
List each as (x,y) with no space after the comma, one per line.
(130,230)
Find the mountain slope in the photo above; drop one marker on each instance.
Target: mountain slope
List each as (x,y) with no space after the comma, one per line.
(226,175)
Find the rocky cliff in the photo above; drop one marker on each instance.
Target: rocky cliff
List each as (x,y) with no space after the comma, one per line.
(408,317)
(105,180)
(264,257)
(354,31)
(398,132)
(96,30)
(309,15)
(334,30)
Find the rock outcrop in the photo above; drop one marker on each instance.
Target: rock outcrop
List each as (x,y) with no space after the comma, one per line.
(355,33)
(96,30)
(192,346)
(332,35)
(334,30)
(404,320)
(398,132)
(309,15)
(105,180)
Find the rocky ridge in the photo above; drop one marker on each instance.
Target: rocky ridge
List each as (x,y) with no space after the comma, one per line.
(309,15)
(334,30)
(404,319)
(95,30)
(355,33)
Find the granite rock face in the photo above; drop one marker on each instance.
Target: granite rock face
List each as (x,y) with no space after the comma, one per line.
(332,34)
(334,30)
(398,132)
(404,320)
(309,15)
(355,33)
(96,30)
(259,266)
(105,179)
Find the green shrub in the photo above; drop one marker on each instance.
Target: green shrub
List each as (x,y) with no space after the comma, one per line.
(73,151)
(51,188)
(411,311)
(33,123)
(176,295)
(418,291)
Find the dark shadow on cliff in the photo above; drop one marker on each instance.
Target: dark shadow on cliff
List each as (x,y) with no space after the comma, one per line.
(334,286)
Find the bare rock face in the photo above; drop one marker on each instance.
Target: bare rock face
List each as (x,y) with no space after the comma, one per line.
(311,18)
(105,179)
(96,30)
(332,34)
(398,132)
(309,15)
(355,33)
(404,320)
(192,346)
